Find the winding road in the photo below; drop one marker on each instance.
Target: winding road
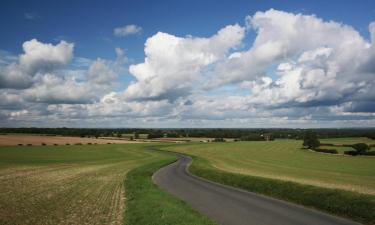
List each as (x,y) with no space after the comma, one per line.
(230,206)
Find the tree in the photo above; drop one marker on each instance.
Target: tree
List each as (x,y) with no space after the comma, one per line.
(361,148)
(310,140)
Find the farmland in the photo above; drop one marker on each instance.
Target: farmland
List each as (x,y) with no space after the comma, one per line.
(348,141)
(27,139)
(67,184)
(285,160)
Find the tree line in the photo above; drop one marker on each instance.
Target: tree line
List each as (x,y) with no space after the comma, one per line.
(236,133)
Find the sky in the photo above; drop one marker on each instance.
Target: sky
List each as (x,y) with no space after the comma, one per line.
(297,64)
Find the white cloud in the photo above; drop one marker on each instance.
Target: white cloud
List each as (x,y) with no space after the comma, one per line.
(173,64)
(40,57)
(299,71)
(127,30)
(37,58)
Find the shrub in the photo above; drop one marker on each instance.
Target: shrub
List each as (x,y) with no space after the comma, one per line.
(20,144)
(89,143)
(331,151)
(361,148)
(55,144)
(44,144)
(353,153)
(29,144)
(67,144)
(372,153)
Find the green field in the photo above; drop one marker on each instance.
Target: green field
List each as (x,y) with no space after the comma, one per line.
(285,160)
(337,184)
(83,185)
(348,141)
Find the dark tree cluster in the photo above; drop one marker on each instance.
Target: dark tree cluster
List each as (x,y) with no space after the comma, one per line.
(310,140)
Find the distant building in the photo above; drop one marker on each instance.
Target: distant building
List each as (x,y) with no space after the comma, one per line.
(267,137)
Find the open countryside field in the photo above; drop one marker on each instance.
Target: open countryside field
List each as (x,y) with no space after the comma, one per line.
(11,140)
(285,160)
(67,184)
(348,141)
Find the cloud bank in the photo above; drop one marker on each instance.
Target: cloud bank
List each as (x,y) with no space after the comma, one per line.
(299,71)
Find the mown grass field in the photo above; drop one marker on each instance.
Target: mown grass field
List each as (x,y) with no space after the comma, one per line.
(285,160)
(82,185)
(337,184)
(348,141)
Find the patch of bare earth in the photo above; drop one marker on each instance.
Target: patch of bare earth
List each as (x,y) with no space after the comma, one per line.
(11,140)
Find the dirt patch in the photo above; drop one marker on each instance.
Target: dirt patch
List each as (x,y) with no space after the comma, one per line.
(11,140)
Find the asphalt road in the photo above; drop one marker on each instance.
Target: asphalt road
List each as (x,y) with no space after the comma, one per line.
(230,206)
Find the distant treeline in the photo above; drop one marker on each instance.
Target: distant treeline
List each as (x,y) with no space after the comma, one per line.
(236,133)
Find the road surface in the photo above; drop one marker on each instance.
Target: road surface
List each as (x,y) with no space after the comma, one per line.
(230,206)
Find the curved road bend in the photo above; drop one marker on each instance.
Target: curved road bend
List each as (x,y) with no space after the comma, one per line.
(230,206)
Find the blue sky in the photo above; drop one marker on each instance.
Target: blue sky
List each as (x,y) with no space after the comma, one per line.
(89,24)
(90,27)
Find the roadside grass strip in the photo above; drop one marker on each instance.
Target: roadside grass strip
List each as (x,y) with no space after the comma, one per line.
(147,204)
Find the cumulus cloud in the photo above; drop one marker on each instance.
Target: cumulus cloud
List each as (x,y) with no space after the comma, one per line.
(38,57)
(173,64)
(298,71)
(41,57)
(127,30)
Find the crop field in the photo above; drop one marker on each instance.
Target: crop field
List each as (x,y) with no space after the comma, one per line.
(285,160)
(67,184)
(27,139)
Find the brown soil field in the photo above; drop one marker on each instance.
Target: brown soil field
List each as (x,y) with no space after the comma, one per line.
(11,140)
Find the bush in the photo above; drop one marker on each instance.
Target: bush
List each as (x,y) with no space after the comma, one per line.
(44,144)
(29,144)
(361,148)
(67,144)
(331,151)
(353,153)
(20,144)
(89,143)
(55,144)
(372,153)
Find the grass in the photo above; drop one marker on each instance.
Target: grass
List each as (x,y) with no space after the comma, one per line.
(348,141)
(338,184)
(285,160)
(148,205)
(78,184)
(348,204)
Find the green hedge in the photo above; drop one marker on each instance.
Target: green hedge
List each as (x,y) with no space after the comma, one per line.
(353,205)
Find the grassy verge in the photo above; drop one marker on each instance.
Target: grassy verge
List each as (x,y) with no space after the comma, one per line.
(356,206)
(146,204)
